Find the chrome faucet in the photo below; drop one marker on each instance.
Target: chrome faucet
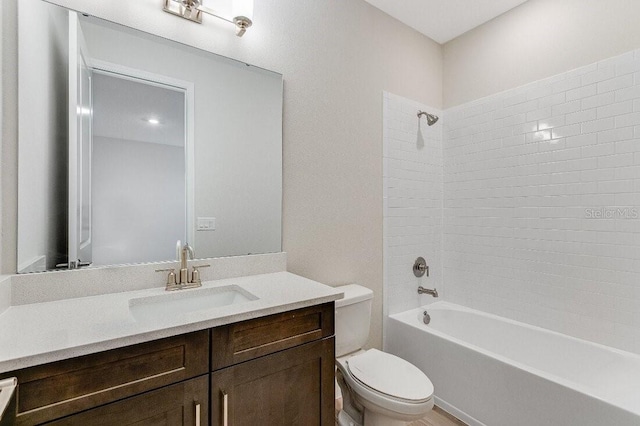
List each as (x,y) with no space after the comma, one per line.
(422,290)
(185,278)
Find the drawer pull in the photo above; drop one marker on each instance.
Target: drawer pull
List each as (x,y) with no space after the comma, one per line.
(197,414)
(225,409)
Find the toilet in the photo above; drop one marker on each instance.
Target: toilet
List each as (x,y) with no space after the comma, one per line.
(378,389)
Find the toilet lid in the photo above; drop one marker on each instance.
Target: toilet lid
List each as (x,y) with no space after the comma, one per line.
(390,375)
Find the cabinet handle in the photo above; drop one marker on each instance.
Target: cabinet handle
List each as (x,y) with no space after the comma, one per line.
(197,414)
(225,409)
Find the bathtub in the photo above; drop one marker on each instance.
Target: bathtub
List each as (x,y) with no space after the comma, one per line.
(489,370)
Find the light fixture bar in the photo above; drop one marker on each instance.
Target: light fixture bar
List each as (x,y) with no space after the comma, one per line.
(192,10)
(215,13)
(185,9)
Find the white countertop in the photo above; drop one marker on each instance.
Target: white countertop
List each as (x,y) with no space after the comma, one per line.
(39,333)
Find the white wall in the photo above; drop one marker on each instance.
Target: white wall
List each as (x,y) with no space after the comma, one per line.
(537,39)
(337,57)
(412,203)
(138,194)
(238,138)
(526,173)
(43,130)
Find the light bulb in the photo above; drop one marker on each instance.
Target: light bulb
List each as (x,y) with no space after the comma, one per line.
(243,8)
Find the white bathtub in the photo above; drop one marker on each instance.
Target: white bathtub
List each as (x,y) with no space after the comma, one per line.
(492,371)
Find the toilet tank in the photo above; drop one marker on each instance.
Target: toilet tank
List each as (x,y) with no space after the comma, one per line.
(353,318)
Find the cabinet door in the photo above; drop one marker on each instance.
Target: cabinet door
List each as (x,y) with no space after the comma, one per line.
(184,404)
(291,387)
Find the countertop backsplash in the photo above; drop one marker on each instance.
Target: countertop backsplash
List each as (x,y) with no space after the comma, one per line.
(50,286)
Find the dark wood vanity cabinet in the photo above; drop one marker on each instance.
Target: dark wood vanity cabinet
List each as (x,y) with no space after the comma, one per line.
(274,370)
(277,370)
(292,387)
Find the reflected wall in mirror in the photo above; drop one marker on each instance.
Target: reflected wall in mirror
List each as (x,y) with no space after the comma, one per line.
(130,142)
(138,158)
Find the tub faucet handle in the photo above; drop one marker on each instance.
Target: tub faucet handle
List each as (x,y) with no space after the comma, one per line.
(420,267)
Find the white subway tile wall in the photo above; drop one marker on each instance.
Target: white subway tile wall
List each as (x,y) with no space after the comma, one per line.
(541,202)
(412,202)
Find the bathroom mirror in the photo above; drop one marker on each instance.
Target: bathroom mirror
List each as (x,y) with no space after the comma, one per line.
(130,142)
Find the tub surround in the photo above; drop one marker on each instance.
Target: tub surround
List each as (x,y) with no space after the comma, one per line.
(538,213)
(413,197)
(541,203)
(52,316)
(538,222)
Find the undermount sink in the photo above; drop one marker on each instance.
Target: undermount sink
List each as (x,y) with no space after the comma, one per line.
(187,301)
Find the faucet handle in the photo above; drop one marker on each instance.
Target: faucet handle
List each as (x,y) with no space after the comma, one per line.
(200,266)
(420,267)
(195,275)
(171,278)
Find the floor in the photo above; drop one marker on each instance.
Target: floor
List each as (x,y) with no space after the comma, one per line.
(438,417)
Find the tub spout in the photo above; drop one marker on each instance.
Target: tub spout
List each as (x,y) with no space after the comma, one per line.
(422,290)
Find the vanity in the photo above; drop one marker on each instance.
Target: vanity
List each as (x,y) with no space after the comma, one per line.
(269,360)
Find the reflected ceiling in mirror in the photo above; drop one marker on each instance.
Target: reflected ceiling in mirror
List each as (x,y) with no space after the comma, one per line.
(130,142)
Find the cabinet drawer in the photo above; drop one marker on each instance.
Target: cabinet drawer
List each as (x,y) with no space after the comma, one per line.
(239,342)
(51,391)
(182,404)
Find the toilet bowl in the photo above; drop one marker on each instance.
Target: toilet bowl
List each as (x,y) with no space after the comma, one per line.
(377,388)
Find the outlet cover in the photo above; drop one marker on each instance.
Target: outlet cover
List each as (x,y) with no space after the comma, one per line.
(206,224)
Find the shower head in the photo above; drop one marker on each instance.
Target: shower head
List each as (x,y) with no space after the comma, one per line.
(431,119)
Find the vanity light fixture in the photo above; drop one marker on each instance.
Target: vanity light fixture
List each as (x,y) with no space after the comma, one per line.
(153,121)
(241,15)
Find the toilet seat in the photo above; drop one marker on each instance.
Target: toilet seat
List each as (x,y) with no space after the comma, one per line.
(390,375)
(387,396)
